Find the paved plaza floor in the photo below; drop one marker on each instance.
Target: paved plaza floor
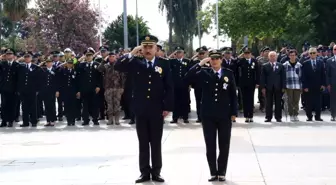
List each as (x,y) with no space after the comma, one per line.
(261,154)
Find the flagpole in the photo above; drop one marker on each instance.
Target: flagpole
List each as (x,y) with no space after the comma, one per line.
(137,22)
(100,20)
(217,23)
(125,26)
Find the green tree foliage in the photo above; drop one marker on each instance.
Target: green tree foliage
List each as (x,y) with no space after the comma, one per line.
(269,21)
(114,33)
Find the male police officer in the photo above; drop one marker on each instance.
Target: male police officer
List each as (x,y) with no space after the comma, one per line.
(152,100)
(28,86)
(68,87)
(180,66)
(219,107)
(90,82)
(8,79)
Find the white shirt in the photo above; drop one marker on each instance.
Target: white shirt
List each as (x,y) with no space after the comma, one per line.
(249,60)
(219,72)
(29,64)
(49,69)
(153,60)
(10,63)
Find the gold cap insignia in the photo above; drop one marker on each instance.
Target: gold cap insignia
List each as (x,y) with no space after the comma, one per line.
(147,38)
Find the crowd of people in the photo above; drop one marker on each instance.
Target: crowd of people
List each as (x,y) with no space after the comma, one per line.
(90,86)
(147,84)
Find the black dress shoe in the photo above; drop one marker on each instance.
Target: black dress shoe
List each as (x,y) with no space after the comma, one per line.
(198,121)
(157,178)
(60,119)
(143,178)
(24,125)
(333,119)
(126,117)
(34,125)
(17,120)
(173,121)
(318,119)
(251,120)
(309,119)
(213,178)
(267,120)
(78,119)
(247,120)
(221,178)
(279,120)
(10,124)
(85,123)
(96,123)
(185,121)
(49,125)
(132,122)
(101,118)
(3,124)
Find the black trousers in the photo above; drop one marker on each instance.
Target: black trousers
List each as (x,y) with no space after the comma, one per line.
(149,130)
(70,106)
(198,98)
(79,108)
(261,99)
(125,102)
(50,106)
(240,99)
(8,106)
(40,108)
(248,100)
(29,108)
(102,103)
(18,106)
(60,106)
(211,128)
(273,95)
(90,106)
(313,102)
(181,103)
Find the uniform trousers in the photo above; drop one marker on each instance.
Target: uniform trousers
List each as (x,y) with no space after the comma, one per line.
(8,106)
(70,105)
(313,102)
(29,108)
(90,106)
(50,106)
(273,95)
(211,128)
(248,100)
(333,101)
(149,130)
(60,106)
(261,99)
(198,97)
(113,97)
(181,102)
(102,103)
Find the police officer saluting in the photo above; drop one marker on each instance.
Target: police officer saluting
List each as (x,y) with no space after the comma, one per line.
(219,107)
(28,86)
(152,100)
(8,78)
(68,87)
(90,82)
(48,92)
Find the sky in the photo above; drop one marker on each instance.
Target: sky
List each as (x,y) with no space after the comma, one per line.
(156,20)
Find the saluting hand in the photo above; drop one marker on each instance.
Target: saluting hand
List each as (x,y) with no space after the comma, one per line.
(57,94)
(204,61)
(136,50)
(233,118)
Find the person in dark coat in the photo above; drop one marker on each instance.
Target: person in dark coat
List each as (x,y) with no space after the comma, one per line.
(153,96)
(313,83)
(28,87)
(68,88)
(273,84)
(219,108)
(248,80)
(57,63)
(8,80)
(89,84)
(331,83)
(179,67)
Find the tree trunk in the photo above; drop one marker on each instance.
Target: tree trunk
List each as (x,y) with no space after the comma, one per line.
(170,41)
(191,39)
(234,45)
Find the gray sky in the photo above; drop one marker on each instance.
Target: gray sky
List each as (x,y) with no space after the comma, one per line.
(148,9)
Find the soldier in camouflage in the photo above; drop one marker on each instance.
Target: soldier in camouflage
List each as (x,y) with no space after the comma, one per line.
(114,88)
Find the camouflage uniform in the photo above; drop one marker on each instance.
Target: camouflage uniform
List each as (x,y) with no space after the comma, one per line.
(114,88)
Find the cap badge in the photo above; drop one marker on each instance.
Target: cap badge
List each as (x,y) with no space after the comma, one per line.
(147,38)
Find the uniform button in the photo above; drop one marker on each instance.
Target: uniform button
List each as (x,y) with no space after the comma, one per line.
(148,89)
(148,96)
(149,82)
(7,80)
(25,83)
(216,89)
(215,99)
(150,76)
(217,84)
(215,94)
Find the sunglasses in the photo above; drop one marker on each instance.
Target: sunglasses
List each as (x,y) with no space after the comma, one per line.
(312,53)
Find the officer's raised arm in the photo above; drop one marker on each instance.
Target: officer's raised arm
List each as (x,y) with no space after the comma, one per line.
(124,63)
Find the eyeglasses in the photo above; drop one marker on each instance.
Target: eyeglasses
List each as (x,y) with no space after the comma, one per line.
(312,53)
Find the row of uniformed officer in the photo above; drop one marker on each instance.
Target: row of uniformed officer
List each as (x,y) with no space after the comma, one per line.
(218,108)
(152,100)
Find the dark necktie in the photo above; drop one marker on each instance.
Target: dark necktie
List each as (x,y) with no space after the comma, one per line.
(314,64)
(273,66)
(27,66)
(217,75)
(150,65)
